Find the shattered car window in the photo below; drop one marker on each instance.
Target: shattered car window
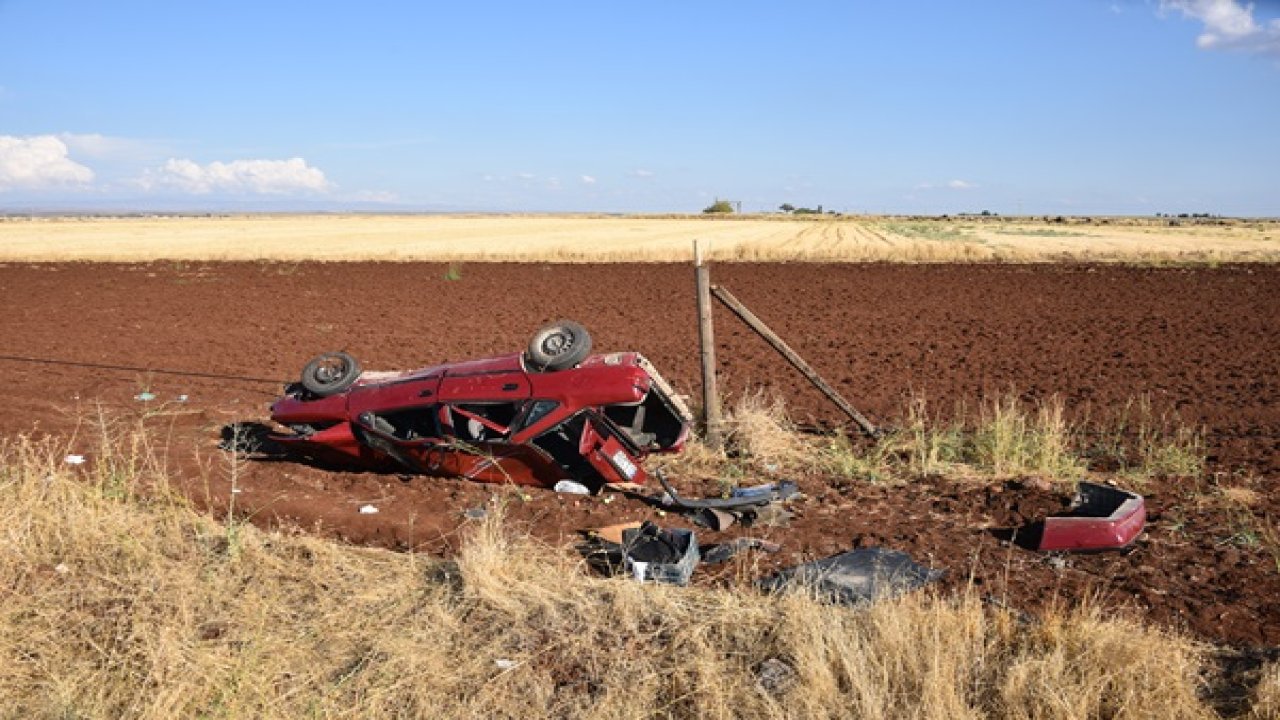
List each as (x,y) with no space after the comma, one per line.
(561,443)
(539,409)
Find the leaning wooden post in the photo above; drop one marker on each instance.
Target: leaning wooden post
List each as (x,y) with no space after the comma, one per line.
(792,357)
(707,349)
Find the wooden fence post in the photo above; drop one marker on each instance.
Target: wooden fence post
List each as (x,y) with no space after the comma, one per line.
(707,350)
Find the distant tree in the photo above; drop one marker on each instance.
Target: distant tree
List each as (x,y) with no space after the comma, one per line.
(787,207)
(719,206)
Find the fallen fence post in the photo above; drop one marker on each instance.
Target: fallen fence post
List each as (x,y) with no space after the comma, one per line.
(792,357)
(707,350)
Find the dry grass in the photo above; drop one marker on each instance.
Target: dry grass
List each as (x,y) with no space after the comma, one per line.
(1009,440)
(1004,438)
(121,601)
(759,427)
(1266,696)
(568,238)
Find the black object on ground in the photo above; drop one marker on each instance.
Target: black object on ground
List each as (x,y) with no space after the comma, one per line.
(721,552)
(666,555)
(856,577)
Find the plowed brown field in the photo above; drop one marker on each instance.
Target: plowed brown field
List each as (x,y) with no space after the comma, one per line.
(1202,343)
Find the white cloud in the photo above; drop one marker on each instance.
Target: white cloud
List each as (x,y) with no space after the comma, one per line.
(641,173)
(264,177)
(38,161)
(588,180)
(1229,25)
(97,146)
(950,184)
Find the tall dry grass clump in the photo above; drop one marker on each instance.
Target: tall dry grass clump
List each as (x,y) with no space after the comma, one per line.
(122,601)
(1142,443)
(1266,696)
(1010,440)
(760,429)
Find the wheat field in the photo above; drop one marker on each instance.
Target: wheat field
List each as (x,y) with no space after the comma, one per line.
(584,238)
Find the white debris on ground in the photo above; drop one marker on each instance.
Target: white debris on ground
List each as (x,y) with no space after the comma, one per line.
(570,487)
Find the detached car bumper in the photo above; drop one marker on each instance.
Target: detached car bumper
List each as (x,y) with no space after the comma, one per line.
(1103,518)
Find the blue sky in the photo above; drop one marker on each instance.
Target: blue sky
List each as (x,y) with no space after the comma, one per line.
(1031,106)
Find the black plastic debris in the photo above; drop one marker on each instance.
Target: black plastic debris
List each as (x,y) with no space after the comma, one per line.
(713,519)
(722,552)
(856,577)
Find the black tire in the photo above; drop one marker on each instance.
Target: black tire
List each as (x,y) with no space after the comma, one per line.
(558,346)
(330,373)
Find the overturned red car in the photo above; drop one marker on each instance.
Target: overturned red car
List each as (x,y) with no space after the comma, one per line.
(555,412)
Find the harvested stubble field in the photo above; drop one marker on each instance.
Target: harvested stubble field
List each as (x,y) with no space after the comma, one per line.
(1130,352)
(638,239)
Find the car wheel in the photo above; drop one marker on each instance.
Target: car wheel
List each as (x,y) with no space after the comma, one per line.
(558,346)
(330,373)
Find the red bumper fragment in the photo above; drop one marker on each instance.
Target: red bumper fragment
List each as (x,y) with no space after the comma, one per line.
(1102,518)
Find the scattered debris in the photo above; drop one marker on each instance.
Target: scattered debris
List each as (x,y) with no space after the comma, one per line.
(740,499)
(571,487)
(559,417)
(775,677)
(613,533)
(769,491)
(856,577)
(771,515)
(722,552)
(758,505)
(713,519)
